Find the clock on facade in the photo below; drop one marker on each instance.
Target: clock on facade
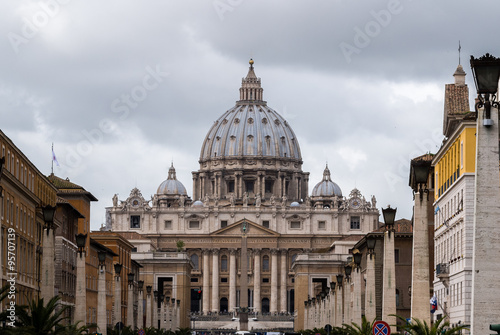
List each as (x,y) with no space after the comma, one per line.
(355,203)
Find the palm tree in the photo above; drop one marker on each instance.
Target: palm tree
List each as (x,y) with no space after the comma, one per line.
(440,327)
(40,319)
(364,329)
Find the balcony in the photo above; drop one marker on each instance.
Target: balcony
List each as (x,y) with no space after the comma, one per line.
(442,271)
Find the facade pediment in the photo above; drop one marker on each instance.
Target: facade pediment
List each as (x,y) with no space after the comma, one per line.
(253,229)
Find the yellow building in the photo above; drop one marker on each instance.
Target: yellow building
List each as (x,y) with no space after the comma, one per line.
(24,191)
(454,174)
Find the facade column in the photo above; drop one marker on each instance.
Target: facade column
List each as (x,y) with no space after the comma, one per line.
(232,280)
(162,312)
(486,249)
(130,304)
(155,310)
(101,300)
(206,281)
(81,290)
(48,266)
(370,306)
(339,316)
(118,299)
(148,306)
(283,285)
(257,281)
(420,287)
(140,312)
(215,280)
(389,281)
(274,281)
(356,304)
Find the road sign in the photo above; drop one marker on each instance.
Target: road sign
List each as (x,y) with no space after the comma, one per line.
(381,328)
(141,332)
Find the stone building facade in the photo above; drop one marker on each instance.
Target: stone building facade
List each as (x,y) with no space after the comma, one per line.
(250,173)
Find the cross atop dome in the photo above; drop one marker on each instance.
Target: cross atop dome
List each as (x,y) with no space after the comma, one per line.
(250,90)
(326,174)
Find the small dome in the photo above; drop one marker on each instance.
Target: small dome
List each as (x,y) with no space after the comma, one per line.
(326,187)
(171,186)
(197,203)
(295,204)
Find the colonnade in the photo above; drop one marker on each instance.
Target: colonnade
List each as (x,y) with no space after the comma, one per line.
(211,278)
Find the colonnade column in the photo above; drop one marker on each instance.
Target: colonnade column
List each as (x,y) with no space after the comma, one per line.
(48,267)
(389,283)
(130,304)
(356,303)
(232,280)
(206,281)
(101,300)
(148,306)
(283,288)
(256,281)
(215,280)
(140,304)
(370,308)
(118,296)
(274,281)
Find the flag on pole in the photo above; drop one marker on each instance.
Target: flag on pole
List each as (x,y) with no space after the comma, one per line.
(434,304)
(54,159)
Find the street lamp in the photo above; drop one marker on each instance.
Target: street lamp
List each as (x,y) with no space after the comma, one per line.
(81,239)
(140,284)
(370,244)
(419,175)
(48,217)
(356,254)
(130,277)
(332,286)
(486,72)
(340,280)
(102,257)
(118,269)
(348,270)
(148,289)
(389,216)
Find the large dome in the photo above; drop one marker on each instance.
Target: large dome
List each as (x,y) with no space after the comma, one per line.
(171,186)
(250,128)
(326,187)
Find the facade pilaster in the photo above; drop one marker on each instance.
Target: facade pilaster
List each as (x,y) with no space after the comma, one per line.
(257,281)
(206,281)
(274,281)
(232,280)
(283,284)
(215,280)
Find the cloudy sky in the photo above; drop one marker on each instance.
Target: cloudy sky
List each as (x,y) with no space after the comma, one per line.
(122,88)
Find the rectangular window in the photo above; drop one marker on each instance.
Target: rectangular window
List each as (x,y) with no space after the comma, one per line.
(230,186)
(265,280)
(194,224)
(223,280)
(269,186)
(396,256)
(321,225)
(249,186)
(223,223)
(194,280)
(355,222)
(295,224)
(135,221)
(168,224)
(462,154)
(265,224)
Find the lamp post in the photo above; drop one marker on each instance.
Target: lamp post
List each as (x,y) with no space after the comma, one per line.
(389,270)
(485,305)
(81,289)
(148,305)
(140,305)
(48,266)
(130,300)
(419,175)
(118,292)
(101,293)
(370,306)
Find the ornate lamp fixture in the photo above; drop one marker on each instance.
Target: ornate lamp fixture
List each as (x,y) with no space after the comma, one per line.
(370,244)
(130,278)
(356,255)
(102,257)
(340,280)
(148,289)
(486,72)
(48,217)
(81,240)
(389,216)
(140,284)
(118,269)
(332,285)
(419,175)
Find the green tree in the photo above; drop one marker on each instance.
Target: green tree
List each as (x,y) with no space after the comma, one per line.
(364,329)
(180,245)
(440,327)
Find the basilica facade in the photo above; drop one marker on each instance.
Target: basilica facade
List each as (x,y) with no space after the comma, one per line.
(250,175)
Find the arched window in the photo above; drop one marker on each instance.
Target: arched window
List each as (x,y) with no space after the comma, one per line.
(195,260)
(223,306)
(223,263)
(265,263)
